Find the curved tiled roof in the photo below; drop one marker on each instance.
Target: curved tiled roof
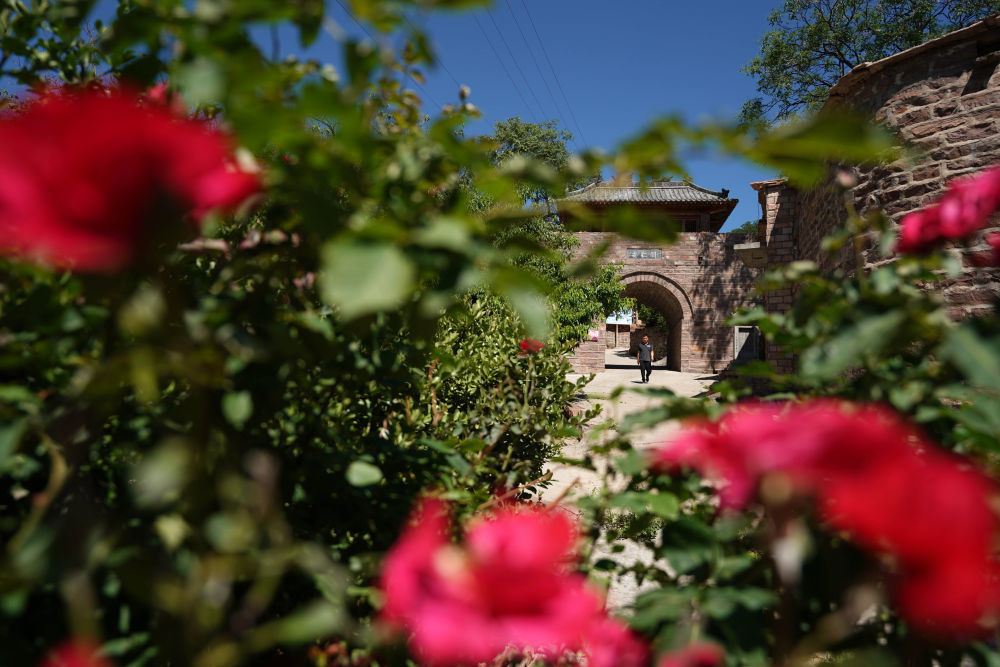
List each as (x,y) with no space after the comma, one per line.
(656,191)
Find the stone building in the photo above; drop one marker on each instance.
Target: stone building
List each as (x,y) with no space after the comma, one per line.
(942,98)
(696,283)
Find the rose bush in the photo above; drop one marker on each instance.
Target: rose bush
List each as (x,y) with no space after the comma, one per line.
(875,480)
(207,453)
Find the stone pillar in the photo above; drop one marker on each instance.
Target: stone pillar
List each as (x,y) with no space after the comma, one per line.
(779,202)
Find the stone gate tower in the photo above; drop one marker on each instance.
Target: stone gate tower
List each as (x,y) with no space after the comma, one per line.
(696,283)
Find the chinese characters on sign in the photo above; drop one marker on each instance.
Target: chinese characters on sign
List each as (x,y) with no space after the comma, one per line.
(644,253)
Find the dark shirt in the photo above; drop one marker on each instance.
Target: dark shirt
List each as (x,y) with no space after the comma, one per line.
(645,352)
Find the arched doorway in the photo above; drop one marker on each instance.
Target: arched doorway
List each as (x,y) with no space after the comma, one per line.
(667,298)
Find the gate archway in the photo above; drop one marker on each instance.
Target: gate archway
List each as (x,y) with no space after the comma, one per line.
(665,296)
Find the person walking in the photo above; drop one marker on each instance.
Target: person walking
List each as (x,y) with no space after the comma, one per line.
(645,358)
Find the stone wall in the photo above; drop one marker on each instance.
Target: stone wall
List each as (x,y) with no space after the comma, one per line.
(620,338)
(943,99)
(697,283)
(589,355)
(779,231)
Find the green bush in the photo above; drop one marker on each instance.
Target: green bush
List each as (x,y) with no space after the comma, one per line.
(205,453)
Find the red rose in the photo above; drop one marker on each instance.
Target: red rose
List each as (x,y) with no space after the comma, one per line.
(879,481)
(75,653)
(84,175)
(992,256)
(699,654)
(806,444)
(531,345)
(510,584)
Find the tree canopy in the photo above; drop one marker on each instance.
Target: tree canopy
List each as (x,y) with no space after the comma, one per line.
(749,228)
(575,301)
(545,142)
(812,43)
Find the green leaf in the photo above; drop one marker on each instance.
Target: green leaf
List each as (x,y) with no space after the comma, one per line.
(664,505)
(849,346)
(10,438)
(201,82)
(803,150)
(729,566)
(13,393)
(317,621)
(160,477)
(721,602)
(360,279)
(633,462)
(977,358)
(718,603)
(754,598)
(631,501)
(362,473)
(237,407)
(458,462)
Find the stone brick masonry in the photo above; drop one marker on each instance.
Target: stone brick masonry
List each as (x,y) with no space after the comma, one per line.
(943,99)
(696,283)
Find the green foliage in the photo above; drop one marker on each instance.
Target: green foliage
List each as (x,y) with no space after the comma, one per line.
(204,457)
(212,422)
(749,228)
(579,293)
(884,336)
(652,318)
(514,139)
(810,45)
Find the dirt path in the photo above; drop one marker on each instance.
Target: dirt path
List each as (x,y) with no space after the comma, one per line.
(576,482)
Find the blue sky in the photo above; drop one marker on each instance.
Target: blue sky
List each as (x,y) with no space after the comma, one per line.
(620,63)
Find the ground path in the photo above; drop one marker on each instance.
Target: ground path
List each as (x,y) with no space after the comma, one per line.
(572,482)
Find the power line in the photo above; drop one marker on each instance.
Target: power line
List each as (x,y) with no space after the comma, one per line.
(506,71)
(531,53)
(554,74)
(439,60)
(513,58)
(372,37)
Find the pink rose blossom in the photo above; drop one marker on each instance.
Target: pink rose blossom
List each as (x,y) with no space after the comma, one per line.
(511,583)
(877,480)
(961,211)
(163,96)
(992,256)
(752,441)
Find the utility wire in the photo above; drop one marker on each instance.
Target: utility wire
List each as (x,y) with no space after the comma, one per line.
(554,74)
(507,71)
(372,37)
(439,60)
(512,57)
(531,53)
